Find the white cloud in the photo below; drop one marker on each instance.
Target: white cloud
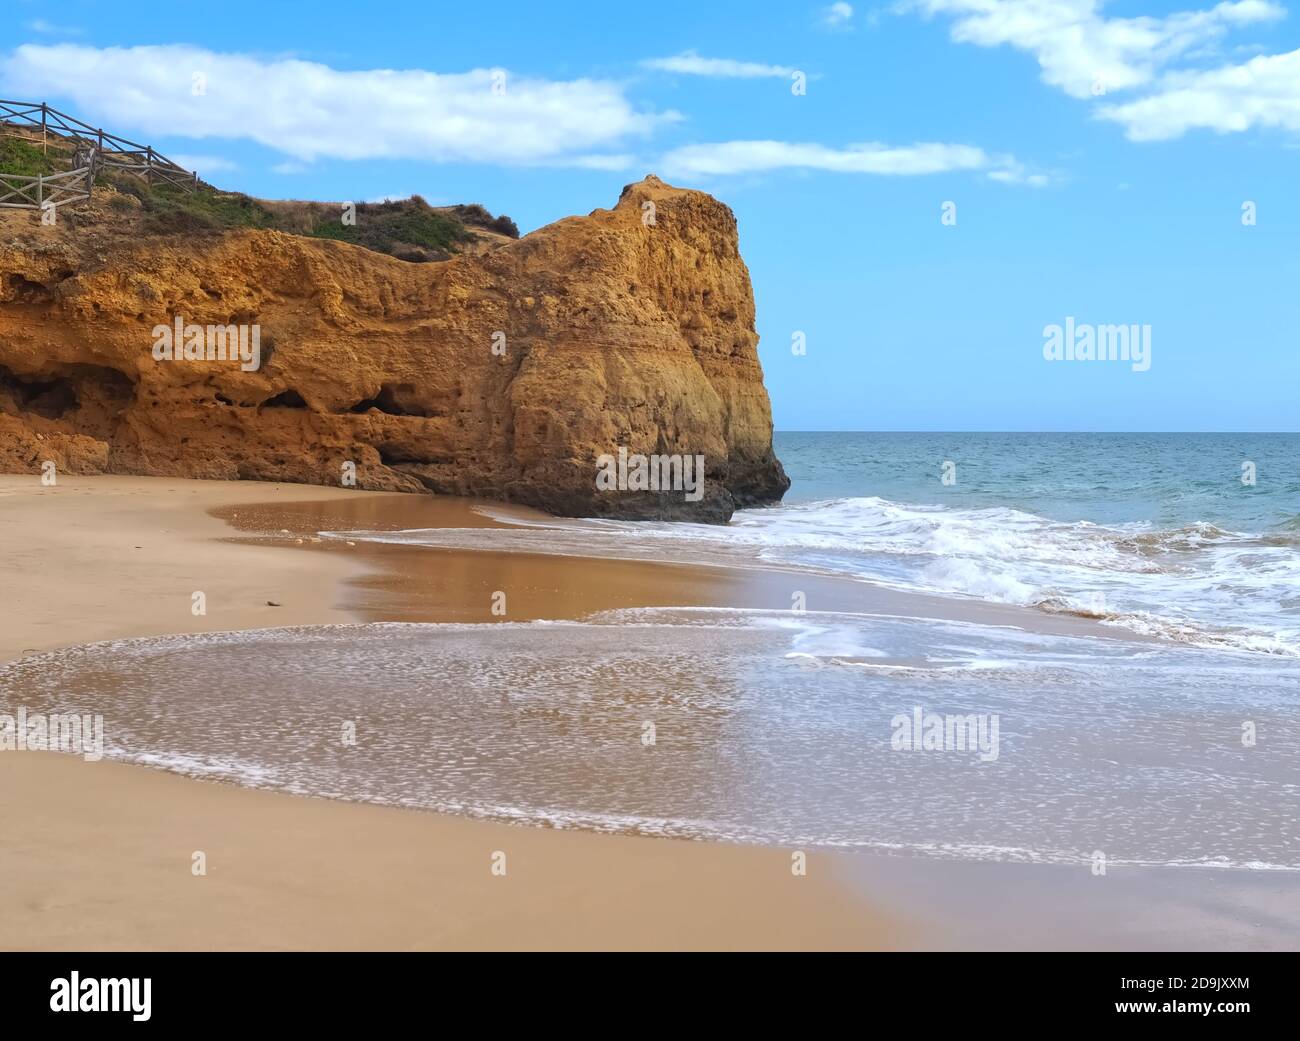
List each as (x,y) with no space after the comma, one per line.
(1264,91)
(741,157)
(689,63)
(1080,50)
(1077,47)
(837,16)
(307,110)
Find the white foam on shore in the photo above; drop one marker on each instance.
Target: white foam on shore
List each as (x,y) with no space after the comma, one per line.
(774,728)
(1197,584)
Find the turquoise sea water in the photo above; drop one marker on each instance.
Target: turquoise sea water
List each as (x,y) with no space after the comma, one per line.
(1194,537)
(1162,480)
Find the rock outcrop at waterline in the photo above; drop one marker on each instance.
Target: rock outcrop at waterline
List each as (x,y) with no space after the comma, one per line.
(504,373)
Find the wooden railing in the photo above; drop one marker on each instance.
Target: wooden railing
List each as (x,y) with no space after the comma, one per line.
(94,151)
(38,193)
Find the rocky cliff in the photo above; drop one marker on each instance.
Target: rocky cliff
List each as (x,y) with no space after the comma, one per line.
(504,373)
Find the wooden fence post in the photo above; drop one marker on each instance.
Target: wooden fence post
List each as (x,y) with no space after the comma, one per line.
(65,183)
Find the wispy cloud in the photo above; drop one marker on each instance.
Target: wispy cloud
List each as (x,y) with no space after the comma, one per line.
(1263,92)
(1087,54)
(836,16)
(1081,51)
(40,25)
(204,164)
(1007,170)
(745,157)
(307,110)
(602,162)
(688,63)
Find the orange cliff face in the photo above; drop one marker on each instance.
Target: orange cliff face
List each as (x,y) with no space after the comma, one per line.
(506,374)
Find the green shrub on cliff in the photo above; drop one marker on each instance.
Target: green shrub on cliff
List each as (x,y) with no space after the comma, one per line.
(23,158)
(409,229)
(171,210)
(477,215)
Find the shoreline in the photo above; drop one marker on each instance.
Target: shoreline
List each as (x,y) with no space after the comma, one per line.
(397,579)
(301,872)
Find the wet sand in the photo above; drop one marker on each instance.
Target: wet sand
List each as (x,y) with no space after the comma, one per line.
(428,584)
(98,855)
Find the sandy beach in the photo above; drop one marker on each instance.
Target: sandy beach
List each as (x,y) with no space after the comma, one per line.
(98,855)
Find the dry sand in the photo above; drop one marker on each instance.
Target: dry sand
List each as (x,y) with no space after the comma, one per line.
(98,855)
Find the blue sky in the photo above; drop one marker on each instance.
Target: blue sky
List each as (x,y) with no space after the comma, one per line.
(1098,156)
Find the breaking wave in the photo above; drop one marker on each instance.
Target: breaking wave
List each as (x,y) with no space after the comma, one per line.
(1198,583)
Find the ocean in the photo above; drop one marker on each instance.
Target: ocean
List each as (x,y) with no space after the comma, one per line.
(1098,665)
(1190,536)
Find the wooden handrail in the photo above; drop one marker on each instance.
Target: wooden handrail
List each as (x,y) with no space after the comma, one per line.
(104,150)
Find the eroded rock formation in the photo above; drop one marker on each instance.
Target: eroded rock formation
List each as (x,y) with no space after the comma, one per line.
(610,330)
